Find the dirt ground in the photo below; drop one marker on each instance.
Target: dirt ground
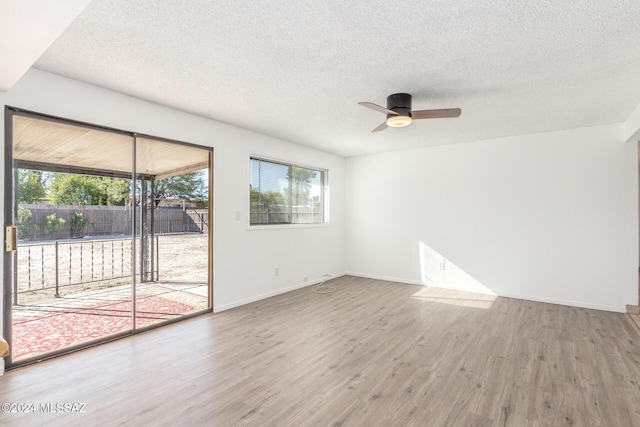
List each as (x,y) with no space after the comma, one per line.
(92,264)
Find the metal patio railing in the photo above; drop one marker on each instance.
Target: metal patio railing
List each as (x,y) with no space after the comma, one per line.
(53,265)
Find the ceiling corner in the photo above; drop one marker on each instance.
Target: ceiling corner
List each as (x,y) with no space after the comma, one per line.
(27,29)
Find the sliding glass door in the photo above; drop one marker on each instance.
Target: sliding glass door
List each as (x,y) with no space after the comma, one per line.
(111,234)
(172,226)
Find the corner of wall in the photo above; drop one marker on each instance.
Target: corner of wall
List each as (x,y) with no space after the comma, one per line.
(632,126)
(503,212)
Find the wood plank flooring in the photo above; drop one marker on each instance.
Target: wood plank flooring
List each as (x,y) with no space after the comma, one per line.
(373,353)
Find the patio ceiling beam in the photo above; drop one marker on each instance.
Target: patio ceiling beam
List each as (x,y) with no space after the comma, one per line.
(55,167)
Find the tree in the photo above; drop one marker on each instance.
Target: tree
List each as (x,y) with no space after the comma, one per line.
(115,190)
(79,196)
(31,186)
(190,186)
(267,207)
(266,201)
(300,180)
(73,189)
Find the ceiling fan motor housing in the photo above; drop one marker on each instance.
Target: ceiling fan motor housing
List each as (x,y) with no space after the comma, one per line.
(400,103)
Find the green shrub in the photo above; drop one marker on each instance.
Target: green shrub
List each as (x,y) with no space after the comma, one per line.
(77,223)
(23,222)
(52,225)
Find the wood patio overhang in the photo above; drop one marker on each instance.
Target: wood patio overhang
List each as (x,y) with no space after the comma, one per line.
(55,145)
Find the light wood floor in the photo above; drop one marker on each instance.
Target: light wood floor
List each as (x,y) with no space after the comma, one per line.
(372,353)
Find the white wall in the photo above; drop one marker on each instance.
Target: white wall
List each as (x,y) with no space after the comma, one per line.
(632,125)
(244,259)
(550,217)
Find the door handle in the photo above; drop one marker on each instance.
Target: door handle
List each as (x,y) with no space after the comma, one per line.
(10,238)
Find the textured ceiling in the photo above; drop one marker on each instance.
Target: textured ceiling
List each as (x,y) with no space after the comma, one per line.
(296,69)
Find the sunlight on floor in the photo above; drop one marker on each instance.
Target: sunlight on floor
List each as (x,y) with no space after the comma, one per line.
(453,297)
(438,271)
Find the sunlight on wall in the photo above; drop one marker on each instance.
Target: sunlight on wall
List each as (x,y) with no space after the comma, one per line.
(436,270)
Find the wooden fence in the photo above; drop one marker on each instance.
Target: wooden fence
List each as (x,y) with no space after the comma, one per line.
(105,221)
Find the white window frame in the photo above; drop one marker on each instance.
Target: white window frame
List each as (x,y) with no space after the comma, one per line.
(324,196)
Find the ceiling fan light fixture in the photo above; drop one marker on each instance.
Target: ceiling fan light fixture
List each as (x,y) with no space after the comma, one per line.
(398,121)
(399,112)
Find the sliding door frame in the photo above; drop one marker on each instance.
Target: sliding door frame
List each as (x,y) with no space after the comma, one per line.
(10,258)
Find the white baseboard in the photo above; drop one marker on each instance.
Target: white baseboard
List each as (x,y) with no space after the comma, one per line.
(1,367)
(615,309)
(525,297)
(578,304)
(386,278)
(218,309)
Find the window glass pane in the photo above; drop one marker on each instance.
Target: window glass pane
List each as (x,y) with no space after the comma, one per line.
(285,194)
(270,202)
(306,186)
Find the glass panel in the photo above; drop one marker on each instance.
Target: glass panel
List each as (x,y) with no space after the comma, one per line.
(270,193)
(72,268)
(88,232)
(307,195)
(285,194)
(172,231)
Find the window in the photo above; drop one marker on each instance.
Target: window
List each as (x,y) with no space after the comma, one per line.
(285,194)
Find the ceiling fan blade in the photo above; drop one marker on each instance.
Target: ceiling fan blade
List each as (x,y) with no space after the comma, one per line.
(436,114)
(383,126)
(377,108)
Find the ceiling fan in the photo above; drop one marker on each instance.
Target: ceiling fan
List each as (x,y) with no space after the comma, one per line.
(399,112)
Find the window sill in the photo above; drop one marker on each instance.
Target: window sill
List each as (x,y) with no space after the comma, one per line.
(285,226)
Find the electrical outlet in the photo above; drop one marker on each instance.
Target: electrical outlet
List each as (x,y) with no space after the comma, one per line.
(443,264)
(276,271)
(306,279)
